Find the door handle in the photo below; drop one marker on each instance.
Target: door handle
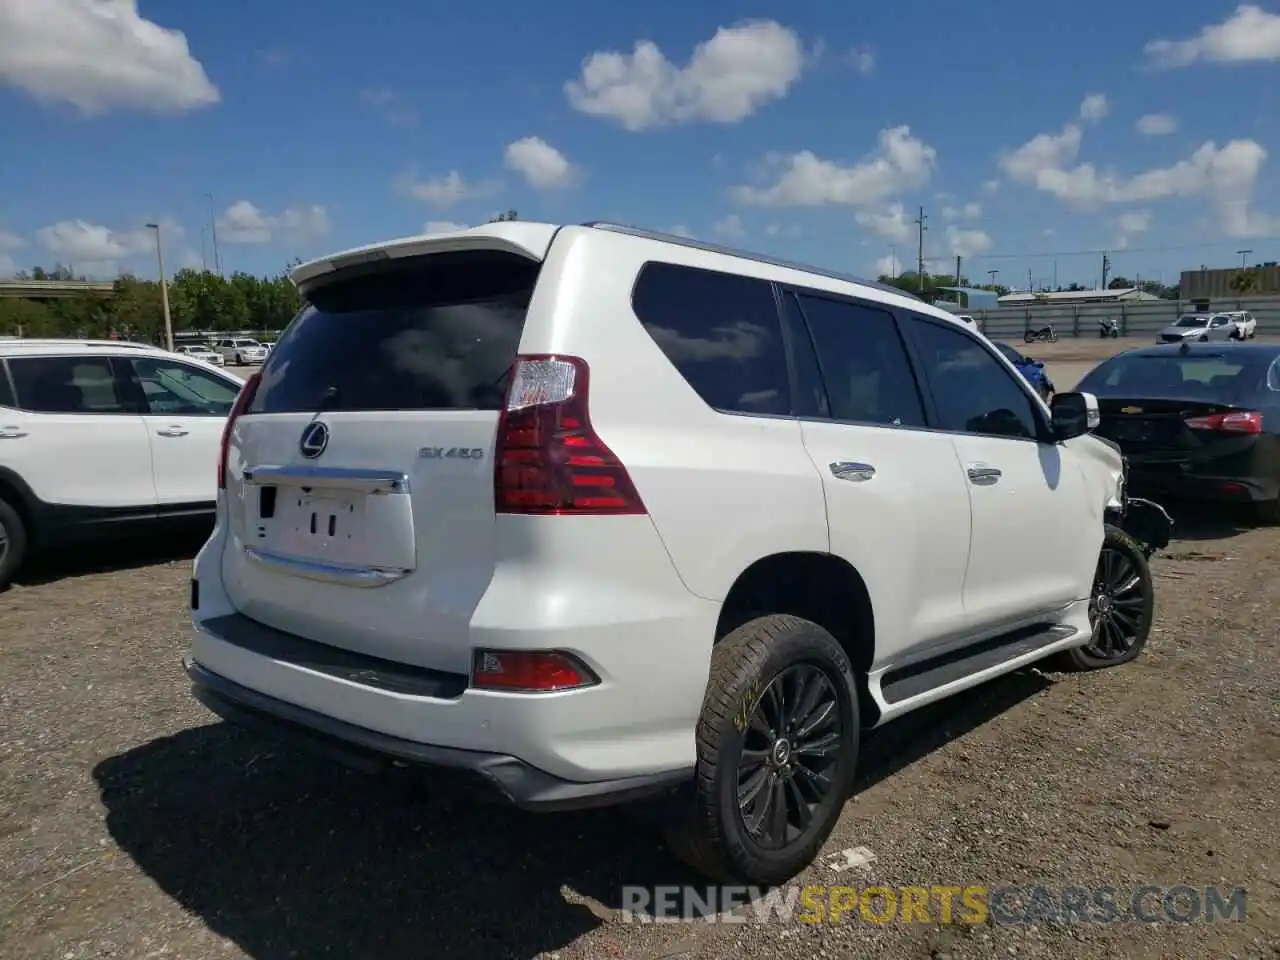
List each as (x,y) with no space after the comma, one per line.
(983,475)
(11,433)
(850,470)
(173,432)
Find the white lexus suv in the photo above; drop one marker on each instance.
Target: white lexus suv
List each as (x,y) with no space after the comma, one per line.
(583,515)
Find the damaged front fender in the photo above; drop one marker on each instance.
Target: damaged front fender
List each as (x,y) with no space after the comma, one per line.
(1147,522)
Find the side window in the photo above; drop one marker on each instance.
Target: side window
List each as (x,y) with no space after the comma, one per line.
(6,389)
(721,331)
(810,398)
(68,385)
(973,392)
(863,362)
(181,390)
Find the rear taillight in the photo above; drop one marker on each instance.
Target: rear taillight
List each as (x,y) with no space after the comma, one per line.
(1237,421)
(548,459)
(243,400)
(530,671)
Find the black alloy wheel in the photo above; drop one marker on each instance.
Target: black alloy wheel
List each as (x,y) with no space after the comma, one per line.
(789,751)
(1118,608)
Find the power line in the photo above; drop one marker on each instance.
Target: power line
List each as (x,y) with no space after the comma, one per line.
(1098,251)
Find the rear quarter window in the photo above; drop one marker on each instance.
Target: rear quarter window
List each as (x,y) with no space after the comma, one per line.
(721,331)
(438,332)
(6,387)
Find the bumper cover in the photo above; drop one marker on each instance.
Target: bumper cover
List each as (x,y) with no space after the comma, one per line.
(493,776)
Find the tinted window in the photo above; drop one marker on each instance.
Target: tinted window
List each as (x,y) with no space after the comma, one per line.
(68,385)
(1010,354)
(1192,322)
(721,332)
(863,362)
(1180,377)
(809,398)
(181,390)
(433,333)
(972,391)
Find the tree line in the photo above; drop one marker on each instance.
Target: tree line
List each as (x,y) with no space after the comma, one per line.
(935,286)
(198,300)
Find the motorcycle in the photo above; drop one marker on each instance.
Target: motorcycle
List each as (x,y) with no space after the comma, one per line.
(1045,334)
(1108,327)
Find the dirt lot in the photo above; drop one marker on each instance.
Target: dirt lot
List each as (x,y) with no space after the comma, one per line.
(132,825)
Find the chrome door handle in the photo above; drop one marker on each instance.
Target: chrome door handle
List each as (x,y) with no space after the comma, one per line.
(983,475)
(850,470)
(173,432)
(11,433)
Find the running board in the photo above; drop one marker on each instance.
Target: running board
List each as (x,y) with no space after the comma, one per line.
(918,679)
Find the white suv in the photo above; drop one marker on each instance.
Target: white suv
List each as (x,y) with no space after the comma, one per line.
(97,437)
(241,351)
(1246,324)
(585,514)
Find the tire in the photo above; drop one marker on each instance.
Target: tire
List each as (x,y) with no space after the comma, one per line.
(1204,339)
(706,827)
(13,543)
(1267,513)
(239,360)
(1131,611)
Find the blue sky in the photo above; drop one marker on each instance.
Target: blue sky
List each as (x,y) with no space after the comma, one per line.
(811,130)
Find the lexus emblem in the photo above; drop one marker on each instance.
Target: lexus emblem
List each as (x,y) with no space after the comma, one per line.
(314,439)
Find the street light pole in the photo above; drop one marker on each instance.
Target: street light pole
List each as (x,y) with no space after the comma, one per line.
(1244,258)
(164,290)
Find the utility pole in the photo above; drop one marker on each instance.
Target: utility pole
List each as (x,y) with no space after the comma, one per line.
(204,240)
(213,227)
(920,222)
(993,274)
(1055,276)
(1106,269)
(1244,263)
(1030,285)
(957,269)
(164,290)
(893,261)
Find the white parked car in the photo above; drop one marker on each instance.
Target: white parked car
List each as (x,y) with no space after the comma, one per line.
(200,352)
(242,351)
(97,437)
(585,514)
(1246,324)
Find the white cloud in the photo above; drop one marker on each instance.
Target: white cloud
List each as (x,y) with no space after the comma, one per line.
(77,241)
(970,211)
(1156,124)
(901,163)
(244,223)
(727,79)
(445,191)
(730,227)
(892,223)
(10,240)
(863,60)
(1249,34)
(1094,107)
(99,55)
(991,186)
(1225,176)
(542,165)
(680,230)
(389,105)
(778,230)
(888,266)
(1135,221)
(442,226)
(967,243)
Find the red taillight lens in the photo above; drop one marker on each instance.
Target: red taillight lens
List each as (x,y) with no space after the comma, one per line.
(1237,421)
(548,460)
(243,399)
(520,671)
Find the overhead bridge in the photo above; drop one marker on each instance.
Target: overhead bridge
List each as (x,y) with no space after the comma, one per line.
(53,289)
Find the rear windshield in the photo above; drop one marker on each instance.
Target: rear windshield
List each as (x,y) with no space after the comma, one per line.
(1182,377)
(432,333)
(1192,322)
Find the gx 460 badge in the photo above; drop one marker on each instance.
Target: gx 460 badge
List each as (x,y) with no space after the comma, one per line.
(451,453)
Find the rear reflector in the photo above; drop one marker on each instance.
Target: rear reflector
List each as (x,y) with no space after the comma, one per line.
(548,460)
(521,671)
(1237,421)
(243,399)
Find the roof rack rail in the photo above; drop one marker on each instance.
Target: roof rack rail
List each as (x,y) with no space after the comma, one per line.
(77,341)
(745,255)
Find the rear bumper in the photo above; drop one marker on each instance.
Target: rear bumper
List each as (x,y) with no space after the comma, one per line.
(491,775)
(1227,489)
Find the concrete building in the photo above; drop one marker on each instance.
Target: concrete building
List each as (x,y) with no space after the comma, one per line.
(1216,284)
(1074,297)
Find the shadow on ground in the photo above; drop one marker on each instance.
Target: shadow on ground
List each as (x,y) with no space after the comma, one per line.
(125,553)
(1197,520)
(291,857)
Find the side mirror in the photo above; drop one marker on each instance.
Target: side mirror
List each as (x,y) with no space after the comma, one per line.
(1074,414)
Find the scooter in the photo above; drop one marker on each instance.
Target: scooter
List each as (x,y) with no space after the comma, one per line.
(1044,334)
(1108,327)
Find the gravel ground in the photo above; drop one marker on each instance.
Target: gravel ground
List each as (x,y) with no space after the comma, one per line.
(133,825)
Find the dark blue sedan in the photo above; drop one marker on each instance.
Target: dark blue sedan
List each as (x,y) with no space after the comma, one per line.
(1032,370)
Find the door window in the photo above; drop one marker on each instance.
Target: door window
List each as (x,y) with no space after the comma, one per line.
(721,331)
(973,392)
(864,365)
(177,389)
(69,385)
